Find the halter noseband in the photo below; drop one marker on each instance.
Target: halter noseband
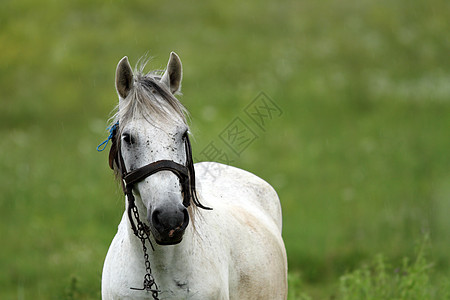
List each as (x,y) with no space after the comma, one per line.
(129,179)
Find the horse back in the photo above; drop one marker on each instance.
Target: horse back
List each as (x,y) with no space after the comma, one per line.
(241,188)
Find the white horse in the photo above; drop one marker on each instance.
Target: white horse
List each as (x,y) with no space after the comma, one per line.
(232,248)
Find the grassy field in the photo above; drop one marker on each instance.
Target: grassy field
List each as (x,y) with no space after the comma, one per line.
(358,150)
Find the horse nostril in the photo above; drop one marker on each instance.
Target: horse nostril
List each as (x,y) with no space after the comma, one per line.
(156,221)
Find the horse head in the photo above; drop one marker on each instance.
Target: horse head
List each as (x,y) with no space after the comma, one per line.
(152,132)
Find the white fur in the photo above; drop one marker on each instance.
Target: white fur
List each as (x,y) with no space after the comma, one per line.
(234,251)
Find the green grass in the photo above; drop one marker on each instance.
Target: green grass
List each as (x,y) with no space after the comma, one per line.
(359,156)
(380,280)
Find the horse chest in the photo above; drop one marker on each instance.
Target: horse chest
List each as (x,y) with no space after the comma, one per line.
(190,281)
(175,279)
(171,287)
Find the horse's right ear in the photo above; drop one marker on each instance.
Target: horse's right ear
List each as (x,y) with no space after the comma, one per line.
(124,78)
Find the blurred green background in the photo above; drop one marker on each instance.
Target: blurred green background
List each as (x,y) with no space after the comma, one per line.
(359,156)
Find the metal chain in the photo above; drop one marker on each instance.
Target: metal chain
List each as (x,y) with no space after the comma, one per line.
(149,281)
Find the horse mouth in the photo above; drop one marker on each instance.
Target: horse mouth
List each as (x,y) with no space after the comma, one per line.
(171,232)
(169,237)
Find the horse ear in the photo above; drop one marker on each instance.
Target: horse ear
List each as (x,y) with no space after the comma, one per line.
(124,77)
(173,74)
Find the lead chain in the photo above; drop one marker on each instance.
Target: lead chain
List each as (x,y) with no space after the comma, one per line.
(149,281)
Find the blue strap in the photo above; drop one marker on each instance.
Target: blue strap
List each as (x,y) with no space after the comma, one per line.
(111,129)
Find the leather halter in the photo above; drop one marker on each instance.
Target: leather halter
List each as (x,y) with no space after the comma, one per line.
(185,173)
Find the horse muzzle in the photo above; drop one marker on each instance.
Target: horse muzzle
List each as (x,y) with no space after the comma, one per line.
(168,226)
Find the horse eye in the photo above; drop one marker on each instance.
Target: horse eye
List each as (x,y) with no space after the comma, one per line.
(127,138)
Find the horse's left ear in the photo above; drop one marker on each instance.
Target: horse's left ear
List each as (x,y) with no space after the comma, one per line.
(173,74)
